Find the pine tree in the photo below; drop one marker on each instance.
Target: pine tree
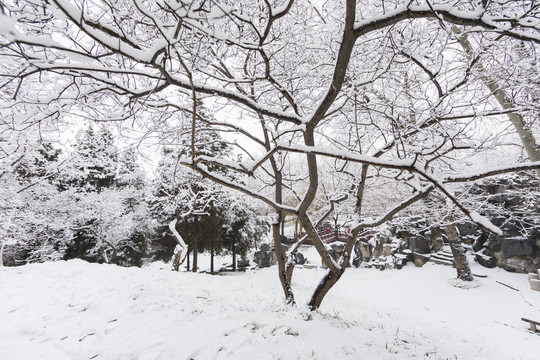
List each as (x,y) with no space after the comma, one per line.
(107,193)
(182,194)
(32,228)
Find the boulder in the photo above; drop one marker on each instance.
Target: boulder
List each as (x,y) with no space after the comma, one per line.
(419,244)
(516,246)
(534,276)
(242,263)
(512,229)
(299,259)
(387,250)
(377,251)
(436,237)
(486,261)
(420,259)
(535,284)
(467,229)
(363,250)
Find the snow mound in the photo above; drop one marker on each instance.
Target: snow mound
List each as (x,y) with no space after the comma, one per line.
(464,284)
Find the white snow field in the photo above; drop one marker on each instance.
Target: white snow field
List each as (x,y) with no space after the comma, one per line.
(77,310)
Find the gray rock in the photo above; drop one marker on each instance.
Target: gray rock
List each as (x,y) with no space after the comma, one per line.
(516,246)
(533,276)
(419,244)
(299,259)
(486,261)
(387,250)
(466,229)
(377,251)
(535,284)
(420,259)
(363,250)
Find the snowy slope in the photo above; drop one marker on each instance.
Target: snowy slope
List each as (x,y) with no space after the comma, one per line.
(77,310)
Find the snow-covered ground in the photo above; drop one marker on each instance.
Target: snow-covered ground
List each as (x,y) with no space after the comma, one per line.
(77,310)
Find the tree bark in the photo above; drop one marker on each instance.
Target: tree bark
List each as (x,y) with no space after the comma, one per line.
(282,271)
(2,253)
(462,265)
(332,276)
(234,257)
(195,254)
(212,259)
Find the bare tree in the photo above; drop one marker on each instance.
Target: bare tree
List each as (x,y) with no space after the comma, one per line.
(380,91)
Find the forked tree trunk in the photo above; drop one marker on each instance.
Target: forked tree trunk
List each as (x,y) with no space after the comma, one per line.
(332,277)
(462,265)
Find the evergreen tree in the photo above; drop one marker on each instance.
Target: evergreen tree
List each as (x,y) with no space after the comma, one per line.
(182,194)
(244,227)
(108,202)
(32,227)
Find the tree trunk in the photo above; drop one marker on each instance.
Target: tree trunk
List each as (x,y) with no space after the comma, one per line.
(180,254)
(234,257)
(195,254)
(176,260)
(2,253)
(326,283)
(187,258)
(212,259)
(332,276)
(282,271)
(462,265)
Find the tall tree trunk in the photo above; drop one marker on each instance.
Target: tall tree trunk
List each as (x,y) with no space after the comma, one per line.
(212,259)
(282,271)
(195,255)
(2,253)
(234,257)
(526,136)
(187,258)
(462,265)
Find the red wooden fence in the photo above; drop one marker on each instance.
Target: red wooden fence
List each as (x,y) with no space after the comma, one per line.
(331,236)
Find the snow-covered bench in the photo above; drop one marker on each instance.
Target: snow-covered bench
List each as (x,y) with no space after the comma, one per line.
(532,323)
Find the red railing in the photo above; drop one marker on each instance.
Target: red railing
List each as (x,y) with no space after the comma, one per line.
(329,237)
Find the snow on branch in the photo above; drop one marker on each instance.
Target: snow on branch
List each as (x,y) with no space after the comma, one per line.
(222,180)
(390,214)
(346,155)
(522,27)
(492,172)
